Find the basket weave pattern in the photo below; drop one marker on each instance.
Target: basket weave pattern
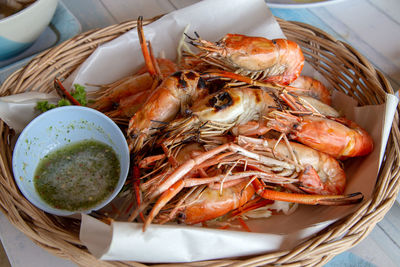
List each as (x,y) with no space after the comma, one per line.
(344,68)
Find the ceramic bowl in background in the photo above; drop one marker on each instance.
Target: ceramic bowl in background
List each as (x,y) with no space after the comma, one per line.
(300,3)
(20,30)
(55,129)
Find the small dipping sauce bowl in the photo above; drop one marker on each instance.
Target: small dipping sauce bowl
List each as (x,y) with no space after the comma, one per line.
(56,129)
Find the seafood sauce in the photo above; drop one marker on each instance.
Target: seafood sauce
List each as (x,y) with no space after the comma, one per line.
(77,176)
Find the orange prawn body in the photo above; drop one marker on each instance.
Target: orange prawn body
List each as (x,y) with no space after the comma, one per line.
(116,93)
(128,106)
(279,60)
(312,87)
(163,104)
(124,88)
(338,137)
(234,105)
(211,204)
(322,173)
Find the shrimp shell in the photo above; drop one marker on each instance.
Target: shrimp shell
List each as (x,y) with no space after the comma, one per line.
(162,105)
(332,178)
(237,105)
(278,60)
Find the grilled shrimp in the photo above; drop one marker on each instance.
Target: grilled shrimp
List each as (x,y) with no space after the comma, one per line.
(217,113)
(239,109)
(321,174)
(277,60)
(163,104)
(338,137)
(298,99)
(127,106)
(254,162)
(212,204)
(110,95)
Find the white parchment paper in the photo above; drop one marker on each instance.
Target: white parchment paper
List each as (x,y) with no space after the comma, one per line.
(18,110)
(211,19)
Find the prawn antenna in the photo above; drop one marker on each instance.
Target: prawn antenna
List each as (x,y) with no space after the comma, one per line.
(160,122)
(189,37)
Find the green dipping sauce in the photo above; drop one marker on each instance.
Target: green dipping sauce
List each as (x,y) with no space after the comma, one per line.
(77,176)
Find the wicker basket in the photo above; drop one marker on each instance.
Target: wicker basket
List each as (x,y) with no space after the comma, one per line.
(344,67)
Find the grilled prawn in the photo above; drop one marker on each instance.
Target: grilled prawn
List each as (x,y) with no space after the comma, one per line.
(172,96)
(252,163)
(277,60)
(338,137)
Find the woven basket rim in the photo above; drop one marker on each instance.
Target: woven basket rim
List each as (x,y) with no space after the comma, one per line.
(47,231)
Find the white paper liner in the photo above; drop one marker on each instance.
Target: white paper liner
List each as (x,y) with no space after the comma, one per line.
(210,19)
(176,243)
(18,110)
(185,243)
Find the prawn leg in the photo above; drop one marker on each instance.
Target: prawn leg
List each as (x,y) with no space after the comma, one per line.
(191,164)
(185,168)
(148,58)
(163,200)
(307,199)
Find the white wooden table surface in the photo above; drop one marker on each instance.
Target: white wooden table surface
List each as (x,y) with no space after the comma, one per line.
(371,26)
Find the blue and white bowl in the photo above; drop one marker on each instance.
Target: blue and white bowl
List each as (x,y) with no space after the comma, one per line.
(20,30)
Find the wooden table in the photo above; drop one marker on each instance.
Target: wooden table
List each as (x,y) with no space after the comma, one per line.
(371,26)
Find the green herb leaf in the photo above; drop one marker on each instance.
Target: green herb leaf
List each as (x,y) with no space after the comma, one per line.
(63,102)
(44,106)
(79,94)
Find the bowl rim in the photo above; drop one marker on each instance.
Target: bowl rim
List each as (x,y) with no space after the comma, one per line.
(294,5)
(23,11)
(123,155)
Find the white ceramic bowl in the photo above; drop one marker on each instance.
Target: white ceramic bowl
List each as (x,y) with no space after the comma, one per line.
(300,3)
(20,30)
(55,129)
